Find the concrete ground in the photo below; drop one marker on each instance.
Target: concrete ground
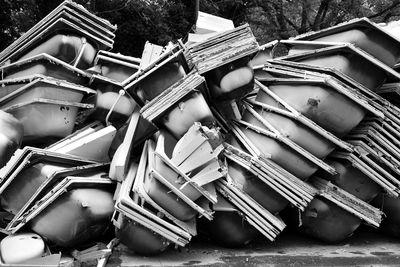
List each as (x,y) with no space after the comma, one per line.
(364,248)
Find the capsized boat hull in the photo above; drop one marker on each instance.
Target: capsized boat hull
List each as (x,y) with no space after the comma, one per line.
(391,207)
(75,218)
(141,240)
(230,229)
(352,180)
(332,111)
(257,189)
(328,222)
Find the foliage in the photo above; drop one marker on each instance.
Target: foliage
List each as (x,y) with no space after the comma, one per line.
(280,19)
(160,21)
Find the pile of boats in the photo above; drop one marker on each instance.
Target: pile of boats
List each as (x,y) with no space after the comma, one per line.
(214,135)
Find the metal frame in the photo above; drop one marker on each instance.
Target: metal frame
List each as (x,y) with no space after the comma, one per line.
(14,225)
(298,76)
(107,55)
(348,202)
(369,147)
(104,57)
(296,116)
(273,133)
(360,90)
(291,188)
(260,218)
(375,139)
(29,156)
(387,124)
(59,25)
(68,183)
(47,101)
(46,59)
(36,83)
(154,109)
(115,60)
(174,53)
(347,48)
(70,9)
(35,127)
(363,22)
(28,81)
(391,91)
(335,79)
(383,131)
(371,170)
(378,106)
(273,168)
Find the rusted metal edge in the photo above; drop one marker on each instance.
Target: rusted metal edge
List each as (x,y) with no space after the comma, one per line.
(285,187)
(49,102)
(37,78)
(379,154)
(376,137)
(18,92)
(340,78)
(269,225)
(381,133)
(221,49)
(272,132)
(48,59)
(348,202)
(369,169)
(386,125)
(165,101)
(309,77)
(291,113)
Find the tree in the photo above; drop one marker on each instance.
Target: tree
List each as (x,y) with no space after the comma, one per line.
(280,19)
(160,21)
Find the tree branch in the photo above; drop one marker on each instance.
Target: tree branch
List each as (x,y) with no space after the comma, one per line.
(323,7)
(304,17)
(291,23)
(395,4)
(281,20)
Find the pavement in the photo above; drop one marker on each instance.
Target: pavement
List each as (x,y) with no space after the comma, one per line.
(366,247)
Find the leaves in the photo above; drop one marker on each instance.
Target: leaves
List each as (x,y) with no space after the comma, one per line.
(160,21)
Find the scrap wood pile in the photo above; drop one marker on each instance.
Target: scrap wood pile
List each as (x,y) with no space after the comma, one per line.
(219,136)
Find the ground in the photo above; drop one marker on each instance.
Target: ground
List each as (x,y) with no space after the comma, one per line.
(364,248)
